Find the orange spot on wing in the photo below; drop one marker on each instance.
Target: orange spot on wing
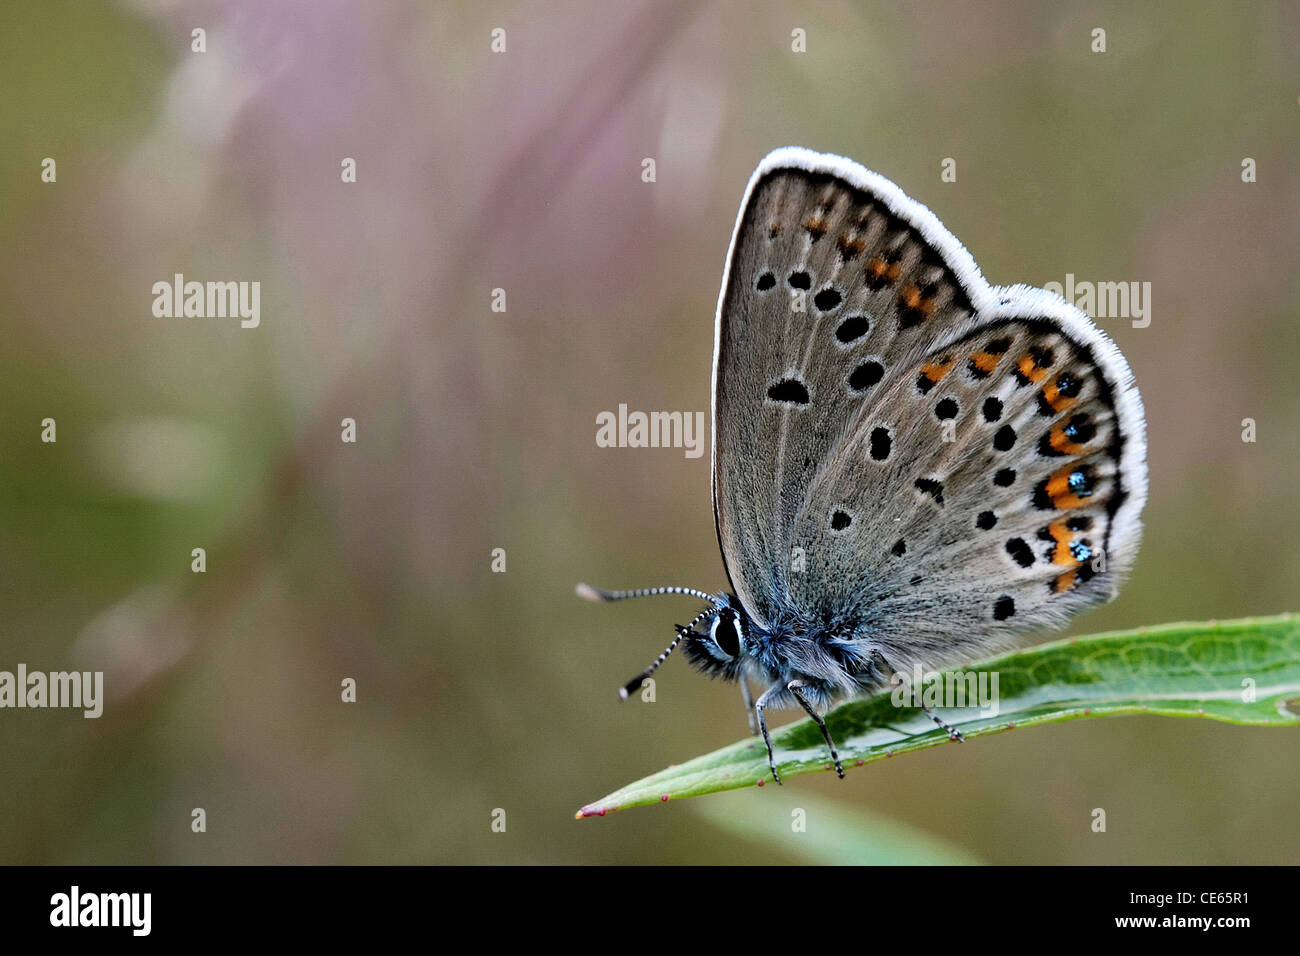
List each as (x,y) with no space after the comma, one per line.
(1061,442)
(882,272)
(1058,490)
(1058,483)
(985,361)
(1054,399)
(816,228)
(911,298)
(1030,369)
(935,371)
(1064,537)
(1072,551)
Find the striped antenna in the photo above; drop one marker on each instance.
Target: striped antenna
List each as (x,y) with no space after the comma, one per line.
(587,592)
(682,630)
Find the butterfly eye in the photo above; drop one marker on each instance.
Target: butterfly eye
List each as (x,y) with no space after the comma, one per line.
(725,632)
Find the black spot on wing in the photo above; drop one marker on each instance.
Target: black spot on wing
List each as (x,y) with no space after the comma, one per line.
(866,375)
(852,329)
(1020,552)
(880,444)
(827,299)
(790,390)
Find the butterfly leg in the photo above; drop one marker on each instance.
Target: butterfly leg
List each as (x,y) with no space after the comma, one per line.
(892,679)
(953,733)
(748,696)
(763,700)
(796,687)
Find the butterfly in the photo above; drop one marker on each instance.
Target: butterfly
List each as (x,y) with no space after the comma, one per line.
(911,467)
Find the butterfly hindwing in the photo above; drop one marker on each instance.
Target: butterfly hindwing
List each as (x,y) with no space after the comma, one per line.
(871,391)
(1002,505)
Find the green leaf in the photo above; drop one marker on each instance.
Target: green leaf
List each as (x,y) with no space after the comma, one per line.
(1178,670)
(829,832)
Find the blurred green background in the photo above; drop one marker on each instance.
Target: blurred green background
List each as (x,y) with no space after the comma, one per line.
(476,429)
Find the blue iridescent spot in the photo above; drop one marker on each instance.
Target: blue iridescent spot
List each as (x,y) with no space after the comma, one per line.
(1081,551)
(1079,484)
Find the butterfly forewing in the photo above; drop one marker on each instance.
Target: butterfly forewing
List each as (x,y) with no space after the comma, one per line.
(902,450)
(828,291)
